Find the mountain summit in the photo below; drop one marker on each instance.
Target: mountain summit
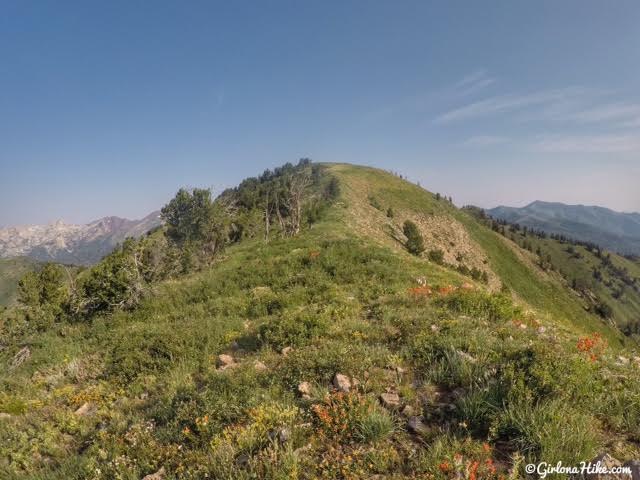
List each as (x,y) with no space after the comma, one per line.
(70,243)
(610,229)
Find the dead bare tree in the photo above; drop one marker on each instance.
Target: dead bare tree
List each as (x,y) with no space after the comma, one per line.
(279,214)
(267,214)
(296,196)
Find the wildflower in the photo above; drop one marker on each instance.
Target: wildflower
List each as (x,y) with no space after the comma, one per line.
(446,290)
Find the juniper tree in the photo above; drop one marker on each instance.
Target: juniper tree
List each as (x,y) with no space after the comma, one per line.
(415,243)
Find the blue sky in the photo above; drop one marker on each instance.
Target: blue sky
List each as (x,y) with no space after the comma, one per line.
(107,108)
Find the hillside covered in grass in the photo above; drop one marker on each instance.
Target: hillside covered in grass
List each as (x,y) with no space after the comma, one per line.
(11,271)
(285,331)
(607,284)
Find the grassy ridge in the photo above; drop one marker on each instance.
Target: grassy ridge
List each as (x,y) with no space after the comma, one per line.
(444,379)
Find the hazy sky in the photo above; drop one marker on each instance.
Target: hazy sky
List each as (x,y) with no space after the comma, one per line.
(107,108)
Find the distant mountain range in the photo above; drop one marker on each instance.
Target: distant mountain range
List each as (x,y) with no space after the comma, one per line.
(74,244)
(616,231)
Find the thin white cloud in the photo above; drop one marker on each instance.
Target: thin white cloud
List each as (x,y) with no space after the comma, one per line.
(508,103)
(589,144)
(473,82)
(633,123)
(430,100)
(623,112)
(485,141)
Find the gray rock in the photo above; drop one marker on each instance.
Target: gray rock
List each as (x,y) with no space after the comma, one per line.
(259,366)
(341,383)
(159,475)
(284,434)
(86,410)
(634,465)
(417,426)
(605,461)
(304,389)
(466,356)
(224,361)
(390,400)
(408,411)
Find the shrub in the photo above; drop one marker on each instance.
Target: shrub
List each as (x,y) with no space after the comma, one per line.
(115,282)
(415,243)
(141,353)
(293,330)
(373,201)
(603,309)
(548,430)
(376,425)
(44,290)
(340,415)
(480,305)
(390,213)
(436,256)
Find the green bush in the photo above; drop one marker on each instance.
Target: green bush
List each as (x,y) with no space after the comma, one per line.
(552,429)
(373,201)
(480,305)
(374,426)
(293,330)
(141,353)
(45,290)
(415,243)
(436,256)
(116,282)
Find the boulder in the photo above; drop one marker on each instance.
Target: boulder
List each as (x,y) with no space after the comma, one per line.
(304,389)
(224,361)
(243,460)
(286,351)
(623,360)
(390,400)
(417,426)
(159,475)
(284,434)
(605,462)
(86,409)
(634,466)
(259,366)
(341,383)
(408,411)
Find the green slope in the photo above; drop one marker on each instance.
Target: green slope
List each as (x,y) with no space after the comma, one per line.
(11,270)
(476,377)
(592,276)
(529,285)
